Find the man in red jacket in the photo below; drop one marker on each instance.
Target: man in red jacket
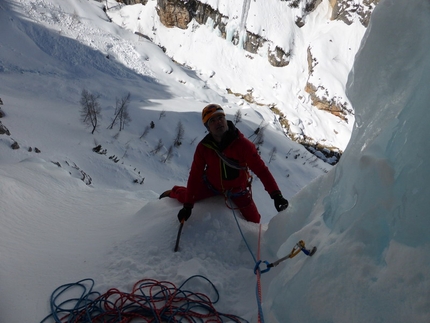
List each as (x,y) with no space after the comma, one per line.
(220,167)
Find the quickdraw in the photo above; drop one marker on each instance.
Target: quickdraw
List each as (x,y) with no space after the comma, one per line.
(300,246)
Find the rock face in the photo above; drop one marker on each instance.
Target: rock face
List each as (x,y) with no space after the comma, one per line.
(4,130)
(174,13)
(133,1)
(323,102)
(177,13)
(347,11)
(320,98)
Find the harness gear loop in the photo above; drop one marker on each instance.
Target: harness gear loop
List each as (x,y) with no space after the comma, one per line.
(228,194)
(226,161)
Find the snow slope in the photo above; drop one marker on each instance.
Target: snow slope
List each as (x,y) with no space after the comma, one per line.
(57,229)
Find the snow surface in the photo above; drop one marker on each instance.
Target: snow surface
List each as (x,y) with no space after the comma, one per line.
(366,215)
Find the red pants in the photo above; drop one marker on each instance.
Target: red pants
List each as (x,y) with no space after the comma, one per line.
(244,202)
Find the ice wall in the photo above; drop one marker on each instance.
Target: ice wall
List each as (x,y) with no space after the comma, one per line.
(369,217)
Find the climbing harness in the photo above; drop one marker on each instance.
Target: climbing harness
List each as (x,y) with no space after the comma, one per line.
(150,301)
(228,194)
(230,162)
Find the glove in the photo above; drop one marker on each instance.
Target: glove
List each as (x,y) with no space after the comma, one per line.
(280,202)
(184,213)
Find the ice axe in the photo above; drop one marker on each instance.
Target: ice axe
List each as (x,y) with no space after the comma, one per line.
(179,236)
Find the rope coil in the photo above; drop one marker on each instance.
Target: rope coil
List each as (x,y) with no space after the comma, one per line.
(150,301)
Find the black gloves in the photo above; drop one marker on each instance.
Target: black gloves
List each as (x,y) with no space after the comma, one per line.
(185,213)
(280,202)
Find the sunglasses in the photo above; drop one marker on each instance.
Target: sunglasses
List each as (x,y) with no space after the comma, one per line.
(216,119)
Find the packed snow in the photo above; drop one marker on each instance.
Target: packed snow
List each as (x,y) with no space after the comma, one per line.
(69,213)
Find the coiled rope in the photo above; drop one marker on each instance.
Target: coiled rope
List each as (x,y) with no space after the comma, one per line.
(150,301)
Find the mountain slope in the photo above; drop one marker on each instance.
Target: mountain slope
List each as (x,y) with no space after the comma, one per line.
(307,90)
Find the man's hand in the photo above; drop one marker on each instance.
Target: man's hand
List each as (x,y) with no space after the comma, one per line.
(280,202)
(184,213)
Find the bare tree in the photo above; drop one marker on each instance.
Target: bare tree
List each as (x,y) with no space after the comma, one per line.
(168,154)
(121,112)
(158,147)
(90,109)
(162,114)
(179,134)
(126,150)
(238,116)
(258,129)
(259,138)
(145,132)
(193,141)
(124,118)
(272,154)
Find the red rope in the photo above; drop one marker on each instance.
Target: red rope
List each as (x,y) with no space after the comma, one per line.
(150,301)
(259,274)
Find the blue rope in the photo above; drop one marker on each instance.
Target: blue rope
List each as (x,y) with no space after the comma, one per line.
(180,305)
(77,304)
(241,233)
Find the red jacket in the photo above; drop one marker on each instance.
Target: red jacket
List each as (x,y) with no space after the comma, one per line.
(225,165)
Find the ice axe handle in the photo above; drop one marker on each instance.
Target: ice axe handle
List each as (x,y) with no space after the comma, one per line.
(179,236)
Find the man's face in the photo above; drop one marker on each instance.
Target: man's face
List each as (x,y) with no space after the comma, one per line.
(217,125)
